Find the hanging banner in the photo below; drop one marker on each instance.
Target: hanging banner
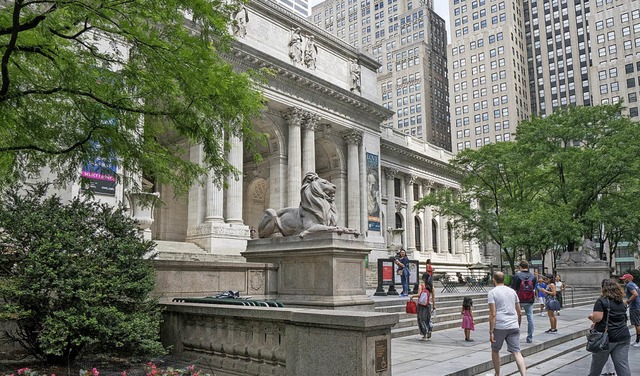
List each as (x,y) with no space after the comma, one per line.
(373,192)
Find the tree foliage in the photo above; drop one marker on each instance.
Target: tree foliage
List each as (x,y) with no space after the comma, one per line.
(127,82)
(565,172)
(74,278)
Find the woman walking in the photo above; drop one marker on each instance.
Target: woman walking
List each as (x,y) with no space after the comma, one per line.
(610,312)
(426,303)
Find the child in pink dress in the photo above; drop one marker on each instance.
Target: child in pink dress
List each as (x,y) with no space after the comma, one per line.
(467,318)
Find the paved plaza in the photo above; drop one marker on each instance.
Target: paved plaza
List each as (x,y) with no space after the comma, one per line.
(446,353)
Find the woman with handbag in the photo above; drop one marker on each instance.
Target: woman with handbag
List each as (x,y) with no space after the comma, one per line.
(551,303)
(609,316)
(426,303)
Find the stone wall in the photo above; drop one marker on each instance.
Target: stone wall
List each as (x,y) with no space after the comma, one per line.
(280,341)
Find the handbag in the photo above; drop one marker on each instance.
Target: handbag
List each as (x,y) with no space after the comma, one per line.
(411,307)
(553,304)
(423,299)
(599,341)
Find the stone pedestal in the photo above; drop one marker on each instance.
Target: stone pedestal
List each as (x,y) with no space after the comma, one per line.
(318,271)
(220,238)
(581,270)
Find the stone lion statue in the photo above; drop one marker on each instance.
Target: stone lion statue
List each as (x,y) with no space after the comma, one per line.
(316,213)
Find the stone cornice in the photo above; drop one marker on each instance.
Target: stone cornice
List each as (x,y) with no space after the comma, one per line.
(405,153)
(304,86)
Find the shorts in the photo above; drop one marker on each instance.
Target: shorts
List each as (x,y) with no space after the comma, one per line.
(634,316)
(512,336)
(541,300)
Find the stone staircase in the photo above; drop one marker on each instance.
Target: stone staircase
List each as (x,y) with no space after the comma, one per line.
(448,308)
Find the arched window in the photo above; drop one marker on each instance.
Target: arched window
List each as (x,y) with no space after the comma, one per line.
(434,235)
(418,233)
(450,237)
(399,221)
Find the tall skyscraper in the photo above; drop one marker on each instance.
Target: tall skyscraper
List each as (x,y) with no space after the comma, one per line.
(488,66)
(301,7)
(409,41)
(575,55)
(615,44)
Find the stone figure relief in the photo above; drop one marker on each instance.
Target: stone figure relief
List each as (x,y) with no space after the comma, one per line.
(296,46)
(240,20)
(303,52)
(354,71)
(316,213)
(310,53)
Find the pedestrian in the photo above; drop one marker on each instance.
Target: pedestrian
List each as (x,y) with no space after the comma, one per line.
(560,287)
(550,294)
(633,302)
(426,303)
(610,313)
(430,269)
(539,287)
(524,284)
(467,318)
(504,323)
(402,261)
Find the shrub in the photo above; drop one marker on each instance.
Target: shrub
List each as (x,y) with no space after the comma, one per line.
(74,278)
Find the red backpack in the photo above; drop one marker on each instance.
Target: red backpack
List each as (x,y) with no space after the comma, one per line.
(526,290)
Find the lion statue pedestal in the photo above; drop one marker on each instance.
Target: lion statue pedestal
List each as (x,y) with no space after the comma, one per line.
(323,270)
(582,270)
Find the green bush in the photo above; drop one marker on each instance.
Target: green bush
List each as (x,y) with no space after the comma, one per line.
(74,278)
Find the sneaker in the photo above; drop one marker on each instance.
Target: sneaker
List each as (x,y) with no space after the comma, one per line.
(469,340)
(529,340)
(423,338)
(403,295)
(428,334)
(636,344)
(552,331)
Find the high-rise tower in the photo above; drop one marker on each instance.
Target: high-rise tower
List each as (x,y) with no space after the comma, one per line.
(409,41)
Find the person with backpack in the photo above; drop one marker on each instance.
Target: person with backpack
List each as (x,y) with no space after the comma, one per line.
(426,303)
(524,283)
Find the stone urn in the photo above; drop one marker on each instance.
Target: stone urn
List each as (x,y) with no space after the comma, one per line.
(141,205)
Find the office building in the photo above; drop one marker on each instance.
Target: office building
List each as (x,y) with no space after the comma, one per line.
(299,7)
(408,39)
(488,66)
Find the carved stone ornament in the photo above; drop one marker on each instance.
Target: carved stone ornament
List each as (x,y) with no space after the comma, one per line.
(316,213)
(352,137)
(310,53)
(294,116)
(296,47)
(354,73)
(390,173)
(410,179)
(239,23)
(310,121)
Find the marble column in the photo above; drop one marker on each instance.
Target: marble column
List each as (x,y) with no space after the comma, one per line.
(294,164)
(410,220)
(196,203)
(390,213)
(364,214)
(428,219)
(234,193)
(214,197)
(444,234)
(353,140)
(421,230)
(277,177)
(214,201)
(309,124)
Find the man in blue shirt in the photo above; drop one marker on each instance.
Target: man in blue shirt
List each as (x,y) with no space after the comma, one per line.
(633,301)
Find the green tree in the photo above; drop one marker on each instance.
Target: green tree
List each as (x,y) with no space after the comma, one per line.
(74,278)
(584,152)
(128,82)
(537,193)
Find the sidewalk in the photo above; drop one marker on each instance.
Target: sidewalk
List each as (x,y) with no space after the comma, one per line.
(446,353)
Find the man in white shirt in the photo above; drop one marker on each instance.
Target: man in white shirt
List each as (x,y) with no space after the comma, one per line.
(504,323)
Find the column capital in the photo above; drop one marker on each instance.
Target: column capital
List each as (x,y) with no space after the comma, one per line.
(427,185)
(310,121)
(410,178)
(389,172)
(352,137)
(293,116)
